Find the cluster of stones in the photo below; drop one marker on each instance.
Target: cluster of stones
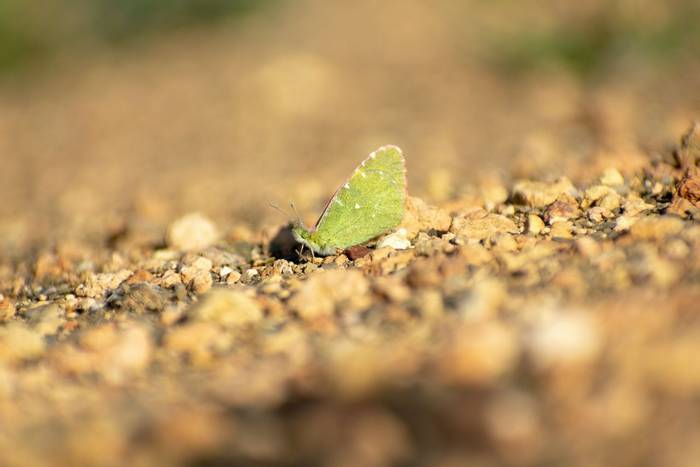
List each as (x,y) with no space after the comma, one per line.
(472,298)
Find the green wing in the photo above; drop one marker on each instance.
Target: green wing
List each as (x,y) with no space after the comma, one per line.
(369,204)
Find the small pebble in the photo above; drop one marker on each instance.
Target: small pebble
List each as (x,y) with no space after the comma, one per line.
(229,308)
(535,224)
(396,240)
(191,232)
(612,177)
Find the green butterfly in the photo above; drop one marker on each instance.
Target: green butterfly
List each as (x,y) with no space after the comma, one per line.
(370,203)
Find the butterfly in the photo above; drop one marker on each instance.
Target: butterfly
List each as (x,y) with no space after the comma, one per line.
(371,202)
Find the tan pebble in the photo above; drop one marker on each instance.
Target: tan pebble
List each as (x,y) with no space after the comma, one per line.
(197,270)
(596,192)
(534,224)
(198,340)
(663,272)
(164,255)
(391,288)
(290,341)
(504,242)
(131,353)
(170,279)
(562,230)
(341,260)
(506,210)
(611,201)
(691,234)
(203,264)
(421,216)
(513,424)
(185,430)
(354,369)
(475,254)
(428,245)
(656,227)
(202,282)
(191,232)
(324,292)
(396,261)
(99,337)
(612,177)
(588,247)
(46,265)
(493,193)
(671,365)
(676,249)
(480,224)
(478,354)
(7,386)
(92,441)
(140,276)
(540,194)
(429,303)
(380,254)
(282,267)
(86,304)
(598,214)
(423,274)
(171,315)
(229,308)
(564,208)
(7,309)
(484,300)
(563,339)
(634,205)
(19,343)
(233,277)
(624,223)
(250,274)
(97,284)
(46,320)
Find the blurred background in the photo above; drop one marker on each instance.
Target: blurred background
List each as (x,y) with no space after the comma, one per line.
(135,111)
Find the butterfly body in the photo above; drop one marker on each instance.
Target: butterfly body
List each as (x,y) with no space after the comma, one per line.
(370,203)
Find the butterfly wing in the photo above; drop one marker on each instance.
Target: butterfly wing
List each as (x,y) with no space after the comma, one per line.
(370,203)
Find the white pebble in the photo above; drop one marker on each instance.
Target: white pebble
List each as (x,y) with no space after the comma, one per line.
(396,240)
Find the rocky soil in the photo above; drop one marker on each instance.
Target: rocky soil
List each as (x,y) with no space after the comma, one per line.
(539,322)
(539,306)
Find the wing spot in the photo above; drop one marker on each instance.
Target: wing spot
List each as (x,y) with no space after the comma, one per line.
(357,206)
(346,186)
(337,200)
(364,175)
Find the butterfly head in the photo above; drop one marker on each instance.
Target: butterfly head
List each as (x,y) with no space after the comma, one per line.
(300,233)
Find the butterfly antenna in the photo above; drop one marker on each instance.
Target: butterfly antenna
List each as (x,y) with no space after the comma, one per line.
(296,213)
(278,209)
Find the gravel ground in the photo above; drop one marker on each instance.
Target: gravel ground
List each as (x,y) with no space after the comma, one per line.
(537,307)
(530,324)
